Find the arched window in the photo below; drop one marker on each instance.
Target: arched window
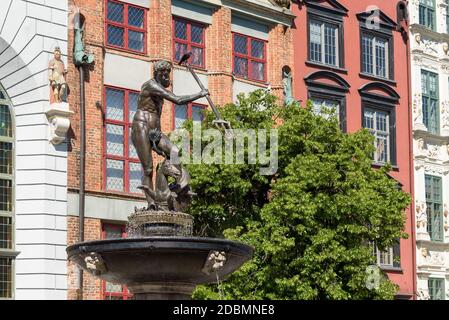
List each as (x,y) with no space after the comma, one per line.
(7,253)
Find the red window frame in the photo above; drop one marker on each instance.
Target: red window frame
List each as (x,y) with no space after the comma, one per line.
(125,294)
(189,42)
(127,125)
(249,56)
(189,112)
(126,27)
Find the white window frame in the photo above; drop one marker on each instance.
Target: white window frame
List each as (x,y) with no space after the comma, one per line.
(387,56)
(323,41)
(375,132)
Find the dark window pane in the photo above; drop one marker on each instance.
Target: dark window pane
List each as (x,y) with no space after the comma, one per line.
(114,140)
(257,71)
(197,114)
(241,67)
(6,158)
(5,278)
(115,12)
(114,175)
(240,44)
(5,233)
(136,40)
(197,57)
(180,30)
(180,115)
(5,121)
(115,36)
(180,50)
(257,49)
(135,177)
(136,17)
(133,99)
(5,195)
(197,34)
(115,101)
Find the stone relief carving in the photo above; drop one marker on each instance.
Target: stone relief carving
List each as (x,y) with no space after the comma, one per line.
(417,112)
(445,117)
(421,216)
(423,294)
(433,152)
(421,150)
(430,47)
(215,261)
(435,169)
(95,264)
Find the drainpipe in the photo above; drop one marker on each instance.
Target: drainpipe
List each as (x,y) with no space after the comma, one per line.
(81,59)
(82,197)
(405,28)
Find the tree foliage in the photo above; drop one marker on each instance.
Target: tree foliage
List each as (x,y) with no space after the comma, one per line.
(311,223)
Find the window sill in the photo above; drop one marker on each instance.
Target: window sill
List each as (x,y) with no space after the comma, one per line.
(250,81)
(373,77)
(325,66)
(380,165)
(391,269)
(200,70)
(129,51)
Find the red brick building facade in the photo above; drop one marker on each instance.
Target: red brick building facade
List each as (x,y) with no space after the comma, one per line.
(353,56)
(238,47)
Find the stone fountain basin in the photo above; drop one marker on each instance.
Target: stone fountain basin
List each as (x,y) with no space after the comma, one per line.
(158,261)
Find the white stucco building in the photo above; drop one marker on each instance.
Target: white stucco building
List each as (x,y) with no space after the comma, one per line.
(33,171)
(430,90)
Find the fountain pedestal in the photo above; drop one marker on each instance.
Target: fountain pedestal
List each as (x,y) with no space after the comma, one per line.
(160,260)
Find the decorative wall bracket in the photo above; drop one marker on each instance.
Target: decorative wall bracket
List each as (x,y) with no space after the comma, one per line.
(59,118)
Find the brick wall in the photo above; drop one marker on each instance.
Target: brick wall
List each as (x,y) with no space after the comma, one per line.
(91,285)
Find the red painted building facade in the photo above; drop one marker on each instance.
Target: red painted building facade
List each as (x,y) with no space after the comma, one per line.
(353,56)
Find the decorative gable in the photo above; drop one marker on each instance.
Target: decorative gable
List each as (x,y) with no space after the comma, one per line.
(332,6)
(376,17)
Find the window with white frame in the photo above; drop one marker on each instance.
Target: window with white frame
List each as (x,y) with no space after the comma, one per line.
(6,198)
(325,107)
(436,288)
(434,202)
(383,258)
(375,55)
(378,124)
(324,42)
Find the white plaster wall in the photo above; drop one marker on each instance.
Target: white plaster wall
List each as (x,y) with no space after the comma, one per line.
(29,31)
(185,84)
(433,159)
(125,72)
(243,87)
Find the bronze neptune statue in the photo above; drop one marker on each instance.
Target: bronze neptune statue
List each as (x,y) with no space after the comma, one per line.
(147,137)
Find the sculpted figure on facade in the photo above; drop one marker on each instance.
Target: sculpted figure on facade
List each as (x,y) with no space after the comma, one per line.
(445,117)
(417,111)
(421,216)
(57,72)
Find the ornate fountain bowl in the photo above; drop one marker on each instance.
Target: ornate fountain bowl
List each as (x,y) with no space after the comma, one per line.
(150,223)
(160,268)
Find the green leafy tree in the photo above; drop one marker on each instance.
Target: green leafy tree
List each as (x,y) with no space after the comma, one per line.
(313,222)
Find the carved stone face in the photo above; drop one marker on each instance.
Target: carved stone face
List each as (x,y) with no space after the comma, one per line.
(421,144)
(445,47)
(163,77)
(418,38)
(57,55)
